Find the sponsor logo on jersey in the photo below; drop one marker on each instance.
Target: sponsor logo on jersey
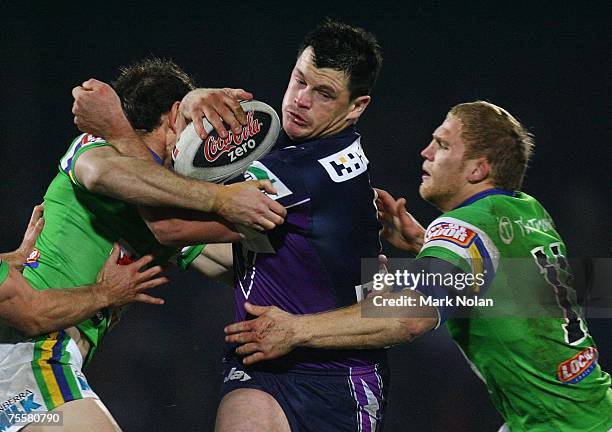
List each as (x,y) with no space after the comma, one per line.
(258,171)
(20,403)
(82,380)
(346,164)
(236,375)
(506,231)
(454,233)
(32,259)
(235,145)
(577,368)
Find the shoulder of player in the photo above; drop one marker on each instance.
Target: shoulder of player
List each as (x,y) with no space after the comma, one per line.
(78,146)
(88,140)
(460,229)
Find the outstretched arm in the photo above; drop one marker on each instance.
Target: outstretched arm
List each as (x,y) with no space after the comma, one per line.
(103,170)
(35,312)
(275,333)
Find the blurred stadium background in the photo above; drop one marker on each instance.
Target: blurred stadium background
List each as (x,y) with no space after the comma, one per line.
(547,63)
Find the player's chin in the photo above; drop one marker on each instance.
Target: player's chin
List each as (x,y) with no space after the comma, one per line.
(296,132)
(424,191)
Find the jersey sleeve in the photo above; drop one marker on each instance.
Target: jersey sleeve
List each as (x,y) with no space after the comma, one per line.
(463,245)
(187,255)
(80,145)
(4,271)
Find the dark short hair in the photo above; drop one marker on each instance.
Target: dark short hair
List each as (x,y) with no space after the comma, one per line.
(149,88)
(351,50)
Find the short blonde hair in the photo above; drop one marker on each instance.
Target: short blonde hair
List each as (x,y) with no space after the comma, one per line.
(492,132)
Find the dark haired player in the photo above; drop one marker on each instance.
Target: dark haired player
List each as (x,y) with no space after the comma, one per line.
(84,217)
(311,263)
(321,176)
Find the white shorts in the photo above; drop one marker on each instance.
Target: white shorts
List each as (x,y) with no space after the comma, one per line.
(39,376)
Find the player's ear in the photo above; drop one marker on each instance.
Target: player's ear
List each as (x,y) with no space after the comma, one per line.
(358,106)
(173,116)
(479,170)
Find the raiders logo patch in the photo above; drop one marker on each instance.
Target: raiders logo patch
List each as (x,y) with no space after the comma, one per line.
(346,164)
(454,233)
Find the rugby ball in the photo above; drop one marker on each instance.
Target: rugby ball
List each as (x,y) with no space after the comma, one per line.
(217,159)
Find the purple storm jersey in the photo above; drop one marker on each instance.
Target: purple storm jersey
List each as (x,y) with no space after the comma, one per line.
(312,263)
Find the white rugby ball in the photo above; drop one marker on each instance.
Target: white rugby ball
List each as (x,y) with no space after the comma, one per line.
(217,159)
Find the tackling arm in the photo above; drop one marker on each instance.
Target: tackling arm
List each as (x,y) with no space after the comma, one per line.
(275,332)
(178,227)
(35,312)
(103,170)
(381,319)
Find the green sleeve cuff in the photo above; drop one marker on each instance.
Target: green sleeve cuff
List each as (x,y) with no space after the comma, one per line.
(187,255)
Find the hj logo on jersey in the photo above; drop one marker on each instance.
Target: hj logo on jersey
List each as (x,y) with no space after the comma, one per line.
(346,164)
(32,259)
(236,375)
(577,368)
(454,233)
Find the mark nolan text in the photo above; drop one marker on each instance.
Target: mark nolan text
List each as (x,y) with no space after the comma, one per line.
(406,300)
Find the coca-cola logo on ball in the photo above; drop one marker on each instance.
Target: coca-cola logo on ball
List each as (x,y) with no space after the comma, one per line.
(217,151)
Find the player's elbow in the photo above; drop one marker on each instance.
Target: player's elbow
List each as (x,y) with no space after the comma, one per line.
(92,174)
(167,232)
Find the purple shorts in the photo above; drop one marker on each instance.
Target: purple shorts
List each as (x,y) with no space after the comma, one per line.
(343,400)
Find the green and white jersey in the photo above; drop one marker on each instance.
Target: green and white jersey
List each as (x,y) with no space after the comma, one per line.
(80,228)
(532,347)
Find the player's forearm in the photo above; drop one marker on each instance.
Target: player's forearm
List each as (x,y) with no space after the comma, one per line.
(145,183)
(55,309)
(178,232)
(348,328)
(180,227)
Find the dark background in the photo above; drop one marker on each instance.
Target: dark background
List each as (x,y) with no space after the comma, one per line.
(548,64)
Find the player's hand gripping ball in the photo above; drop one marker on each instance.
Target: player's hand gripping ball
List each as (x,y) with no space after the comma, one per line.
(217,159)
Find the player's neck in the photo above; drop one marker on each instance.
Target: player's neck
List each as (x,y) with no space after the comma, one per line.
(463,195)
(156,142)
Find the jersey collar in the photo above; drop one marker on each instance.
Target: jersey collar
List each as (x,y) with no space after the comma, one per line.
(483,194)
(349,133)
(156,156)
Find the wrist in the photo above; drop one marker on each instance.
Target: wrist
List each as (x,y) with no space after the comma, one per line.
(98,294)
(301,331)
(121,130)
(216,199)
